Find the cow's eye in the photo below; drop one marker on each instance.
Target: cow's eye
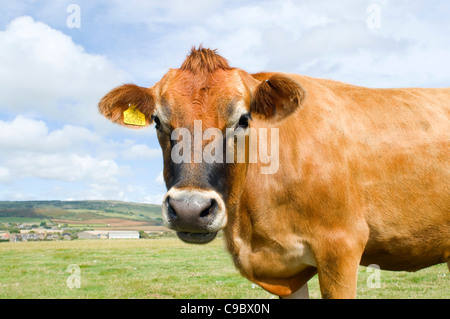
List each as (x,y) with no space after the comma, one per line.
(243,121)
(157,121)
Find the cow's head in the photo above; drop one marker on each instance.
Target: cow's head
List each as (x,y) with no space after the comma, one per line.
(193,108)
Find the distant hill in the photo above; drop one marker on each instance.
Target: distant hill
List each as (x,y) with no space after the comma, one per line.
(81,212)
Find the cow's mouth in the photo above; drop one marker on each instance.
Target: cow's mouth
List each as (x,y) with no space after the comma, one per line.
(196,238)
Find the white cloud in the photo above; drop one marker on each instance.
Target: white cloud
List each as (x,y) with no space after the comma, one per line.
(160,179)
(30,149)
(43,72)
(69,162)
(318,38)
(178,11)
(98,191)
(31,135)
(156,199)
(141,152)
(5,175)
(64,167)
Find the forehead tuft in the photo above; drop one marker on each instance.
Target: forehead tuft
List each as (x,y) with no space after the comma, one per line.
(203,60)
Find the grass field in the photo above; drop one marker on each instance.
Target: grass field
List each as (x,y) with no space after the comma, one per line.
(166,268)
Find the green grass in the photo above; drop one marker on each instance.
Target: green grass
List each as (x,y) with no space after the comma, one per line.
(166,268)
(20,220)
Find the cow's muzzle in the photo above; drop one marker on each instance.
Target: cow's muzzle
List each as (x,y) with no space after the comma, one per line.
(197,215)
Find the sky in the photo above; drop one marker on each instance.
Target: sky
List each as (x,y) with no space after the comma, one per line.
(59,58)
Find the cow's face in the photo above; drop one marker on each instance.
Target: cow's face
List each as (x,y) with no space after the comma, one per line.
(201,113)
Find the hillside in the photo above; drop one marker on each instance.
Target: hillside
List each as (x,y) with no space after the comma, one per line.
(107,213)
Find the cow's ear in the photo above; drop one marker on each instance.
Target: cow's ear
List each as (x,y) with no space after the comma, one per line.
(129,105)
(277,97)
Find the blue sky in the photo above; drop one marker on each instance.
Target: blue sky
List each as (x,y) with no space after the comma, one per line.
(55,145)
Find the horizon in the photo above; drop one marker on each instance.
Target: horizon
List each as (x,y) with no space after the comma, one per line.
(78,200)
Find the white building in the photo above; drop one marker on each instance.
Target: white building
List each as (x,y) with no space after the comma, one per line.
(123,234)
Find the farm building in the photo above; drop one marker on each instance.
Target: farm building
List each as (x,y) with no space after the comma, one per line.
(123,234)
(90,234)
(114,234)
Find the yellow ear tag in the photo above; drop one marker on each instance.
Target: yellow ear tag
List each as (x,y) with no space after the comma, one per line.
(133,116)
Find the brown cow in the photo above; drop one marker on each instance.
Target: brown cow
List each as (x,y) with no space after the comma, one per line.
(363,177)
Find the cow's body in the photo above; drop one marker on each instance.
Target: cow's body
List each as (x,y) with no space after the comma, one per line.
(363,178)
(364,168)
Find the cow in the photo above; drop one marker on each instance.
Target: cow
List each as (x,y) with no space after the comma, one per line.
(363,174)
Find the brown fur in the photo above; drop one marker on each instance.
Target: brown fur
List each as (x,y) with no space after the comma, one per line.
(364,173)
(203,60)
(277,97)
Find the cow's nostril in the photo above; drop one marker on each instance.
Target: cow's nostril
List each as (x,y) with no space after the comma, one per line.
(211,210)
(205,213)
(171,212)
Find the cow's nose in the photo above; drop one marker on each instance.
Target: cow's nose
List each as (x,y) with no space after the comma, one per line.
(191,215)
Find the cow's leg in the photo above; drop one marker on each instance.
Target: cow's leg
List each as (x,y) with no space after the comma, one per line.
(301,293)
(337,266)
(338,277)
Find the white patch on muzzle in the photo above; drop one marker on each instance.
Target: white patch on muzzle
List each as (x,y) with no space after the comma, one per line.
(187,195)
